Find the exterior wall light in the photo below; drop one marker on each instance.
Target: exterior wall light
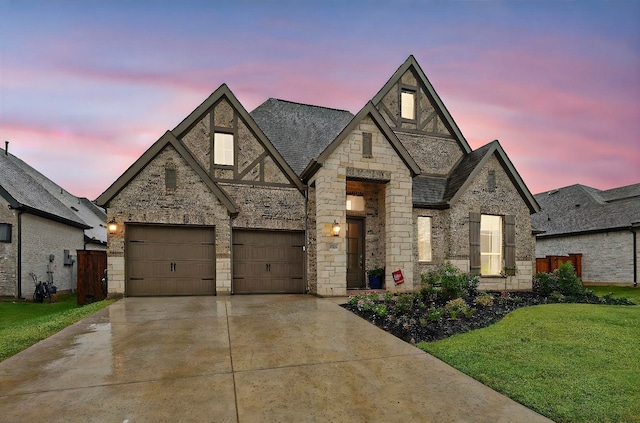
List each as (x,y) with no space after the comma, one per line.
(113,227)
(335,228)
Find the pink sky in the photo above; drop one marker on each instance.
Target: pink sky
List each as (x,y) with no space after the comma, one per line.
(84,91)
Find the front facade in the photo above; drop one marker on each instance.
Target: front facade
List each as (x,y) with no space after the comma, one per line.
(297,198)
(603,226)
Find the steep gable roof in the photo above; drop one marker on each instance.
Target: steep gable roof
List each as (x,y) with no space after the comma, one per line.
(412,64)
(167,139)
(368,110)
(580,209)
(223,92)
(299,131)
(26,189)
(426,190)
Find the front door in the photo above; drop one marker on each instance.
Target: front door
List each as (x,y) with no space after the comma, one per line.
(355,254)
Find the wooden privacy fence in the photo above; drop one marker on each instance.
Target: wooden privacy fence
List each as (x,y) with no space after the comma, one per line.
(550,263)
(91,266)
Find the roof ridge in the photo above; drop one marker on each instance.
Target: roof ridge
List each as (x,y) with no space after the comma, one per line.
(307,104)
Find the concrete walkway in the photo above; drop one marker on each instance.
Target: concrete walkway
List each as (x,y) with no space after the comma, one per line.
(276,358)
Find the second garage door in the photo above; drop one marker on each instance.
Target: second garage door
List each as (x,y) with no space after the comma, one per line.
(170,260)
(268,262)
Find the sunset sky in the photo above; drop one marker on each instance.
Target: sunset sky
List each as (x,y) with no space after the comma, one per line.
(87,86)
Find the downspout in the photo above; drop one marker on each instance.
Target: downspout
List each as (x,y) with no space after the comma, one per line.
(19,276)
(306,237)
(634,230)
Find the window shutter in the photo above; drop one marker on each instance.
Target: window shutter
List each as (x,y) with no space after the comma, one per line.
(474,243)
(510,244)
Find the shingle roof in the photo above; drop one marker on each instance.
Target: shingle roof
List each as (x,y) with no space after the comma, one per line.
(463,170)
(300,132)
(26,188)
(579,208)
(429,190)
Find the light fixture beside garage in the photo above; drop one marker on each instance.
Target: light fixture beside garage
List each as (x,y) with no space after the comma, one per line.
(113,227)
(335,228)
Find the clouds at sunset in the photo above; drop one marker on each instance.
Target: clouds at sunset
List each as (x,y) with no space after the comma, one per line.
(88,89)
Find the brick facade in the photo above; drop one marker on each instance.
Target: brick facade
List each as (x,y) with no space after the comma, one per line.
(9,252)
(607,258)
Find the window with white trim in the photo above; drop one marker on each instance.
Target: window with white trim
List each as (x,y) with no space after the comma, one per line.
(490,245)
(223,149)
(424,238)
(408,104)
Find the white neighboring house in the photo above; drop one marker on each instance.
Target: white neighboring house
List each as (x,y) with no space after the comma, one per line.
(601,225)
(41,228)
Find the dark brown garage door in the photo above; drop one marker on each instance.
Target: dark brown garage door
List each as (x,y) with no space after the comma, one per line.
(268,262)
(170,260)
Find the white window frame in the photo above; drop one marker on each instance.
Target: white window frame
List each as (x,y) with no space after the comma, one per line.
(425,236)
(223,149)
(355,203)
(491,244)
(408,104)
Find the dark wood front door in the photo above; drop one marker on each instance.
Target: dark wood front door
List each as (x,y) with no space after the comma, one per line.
(355,254)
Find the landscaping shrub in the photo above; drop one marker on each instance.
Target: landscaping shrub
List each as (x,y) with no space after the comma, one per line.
(404,303)
(450,281)
(484,300)
(563,281)
(458,306)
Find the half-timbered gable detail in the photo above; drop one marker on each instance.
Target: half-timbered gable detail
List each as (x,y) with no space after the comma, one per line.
(225,140)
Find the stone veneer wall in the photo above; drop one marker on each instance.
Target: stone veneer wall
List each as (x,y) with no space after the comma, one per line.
(606,257)
(331,181)
(312,250)
(9,253)
(505,200)
(145,200)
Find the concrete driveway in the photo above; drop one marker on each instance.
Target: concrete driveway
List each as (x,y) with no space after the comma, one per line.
(276,358)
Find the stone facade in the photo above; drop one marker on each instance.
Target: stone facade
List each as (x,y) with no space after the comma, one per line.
(265,197)
(145,199)
(267,194)
(394,207)
(607,258)
(450,228)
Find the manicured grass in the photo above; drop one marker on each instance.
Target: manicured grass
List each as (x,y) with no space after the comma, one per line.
(23,324)
(629,292)
(569,362)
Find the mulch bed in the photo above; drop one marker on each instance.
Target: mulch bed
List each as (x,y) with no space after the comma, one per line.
(413,326)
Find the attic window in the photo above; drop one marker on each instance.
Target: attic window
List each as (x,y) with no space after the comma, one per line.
(5,232)
(223,149)
(408,104)
(366,145)
(491,181)
(170,179)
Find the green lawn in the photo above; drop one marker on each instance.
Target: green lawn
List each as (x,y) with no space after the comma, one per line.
(618,291)
(569,362)
(22,324)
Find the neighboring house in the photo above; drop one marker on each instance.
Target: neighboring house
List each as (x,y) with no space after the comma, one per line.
(300,198)
(601,225)
(41,228)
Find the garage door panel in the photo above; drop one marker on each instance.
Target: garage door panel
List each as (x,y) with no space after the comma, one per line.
(170,260)
(268,262)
